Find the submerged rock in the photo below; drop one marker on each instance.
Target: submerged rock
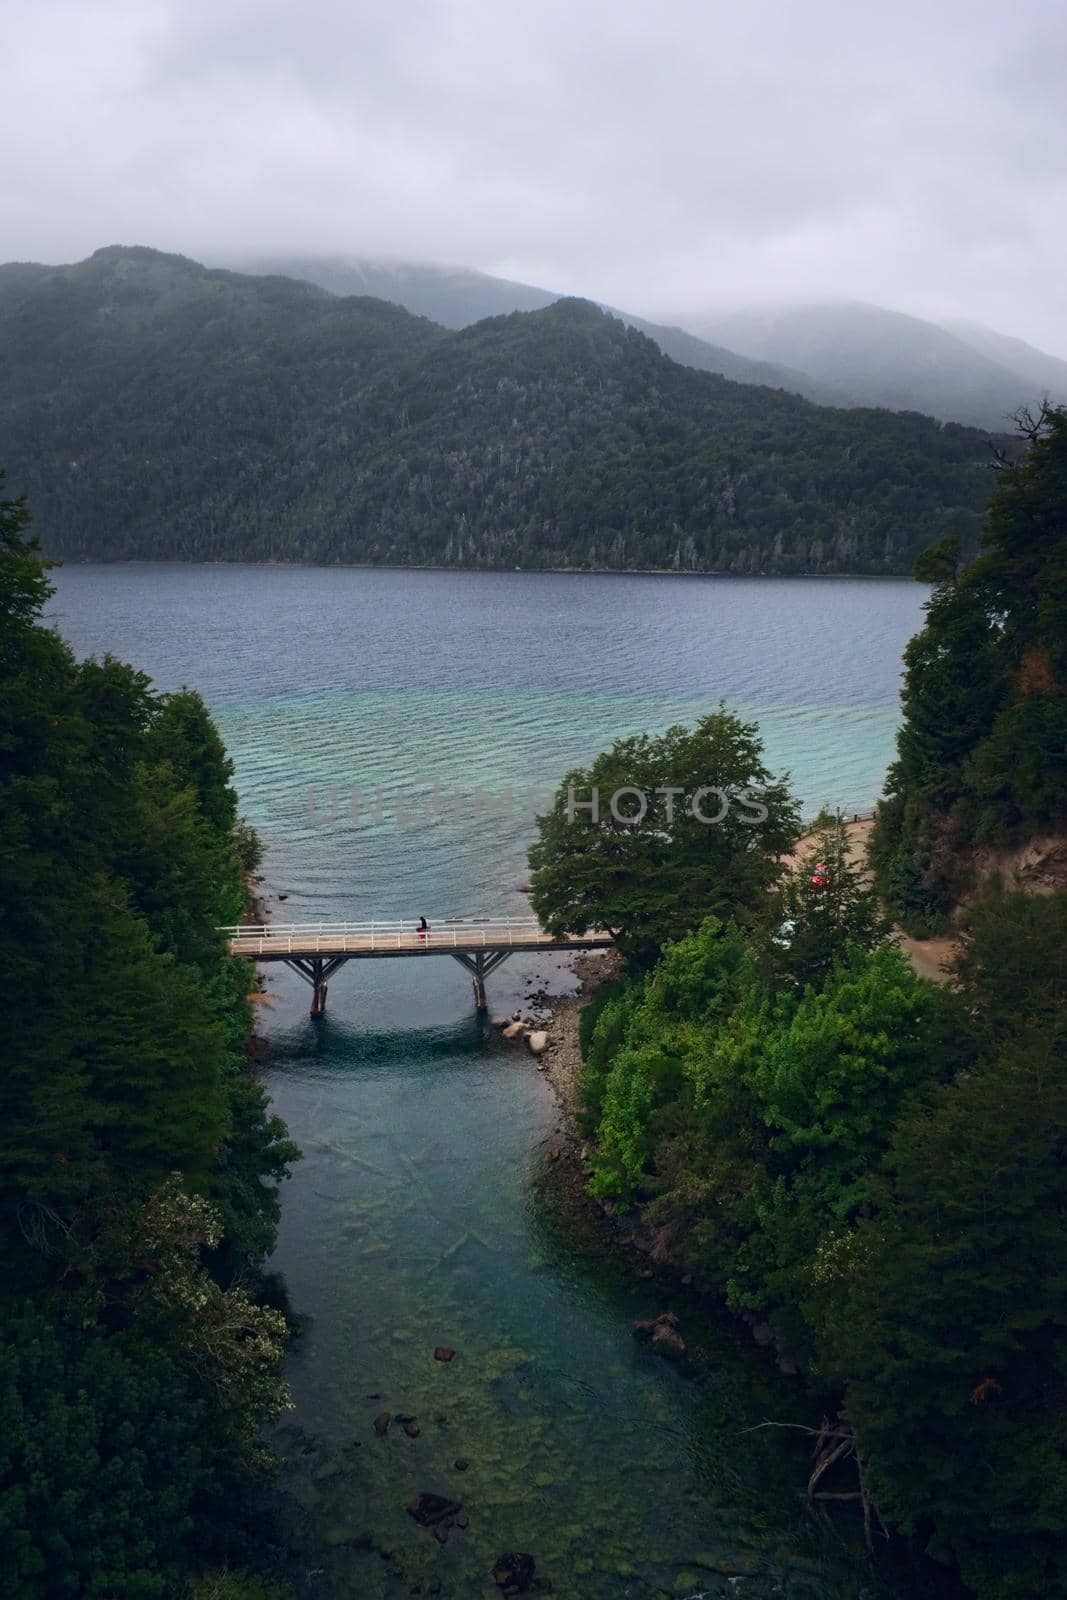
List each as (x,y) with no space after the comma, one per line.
(513,1030)
(514,1572)
(412,1430)
(429,1509)
(443,1353)
(381,1422)
(662,1334)
(462,1465)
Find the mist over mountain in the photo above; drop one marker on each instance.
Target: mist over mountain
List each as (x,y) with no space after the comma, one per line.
(456,297)
(154,408)
(1043,371)
(842,354)
(886,358)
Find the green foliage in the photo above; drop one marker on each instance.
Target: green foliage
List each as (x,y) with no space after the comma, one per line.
(645,1051)
(102,1469)
(826,905)
(154,408)
(877,1165)
(138,1160)
(982,753)
(655,878)
(590,1013)
(944,1310)
(830,1075)
(24,585)
(234,1585)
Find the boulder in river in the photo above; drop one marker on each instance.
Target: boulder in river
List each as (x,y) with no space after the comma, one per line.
(430,1509)
(498,1022)
(381,1422)
(537,1041)
(662,1334)
(514,1572)
(513,1030)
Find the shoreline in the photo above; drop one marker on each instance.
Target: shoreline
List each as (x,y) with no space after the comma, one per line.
(645,1249)
(434,566)
(627,1234)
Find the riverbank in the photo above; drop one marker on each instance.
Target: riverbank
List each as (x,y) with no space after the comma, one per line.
(648,1248)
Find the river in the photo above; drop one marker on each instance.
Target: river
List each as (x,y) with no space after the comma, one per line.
(391,733)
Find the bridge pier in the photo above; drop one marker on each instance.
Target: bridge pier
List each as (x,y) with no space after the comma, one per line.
(316,971)
(480,964)
(318,997)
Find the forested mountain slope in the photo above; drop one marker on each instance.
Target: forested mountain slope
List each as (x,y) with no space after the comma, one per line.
(456,297)
(158,409)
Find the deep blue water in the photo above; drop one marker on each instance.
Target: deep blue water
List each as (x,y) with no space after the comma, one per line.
(414,1219)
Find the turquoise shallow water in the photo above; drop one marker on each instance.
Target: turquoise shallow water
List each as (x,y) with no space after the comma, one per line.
(416,1218)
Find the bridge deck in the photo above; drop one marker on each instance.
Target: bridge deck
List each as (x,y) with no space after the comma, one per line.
(282,941)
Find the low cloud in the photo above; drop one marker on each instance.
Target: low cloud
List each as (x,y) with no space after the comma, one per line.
(674,160)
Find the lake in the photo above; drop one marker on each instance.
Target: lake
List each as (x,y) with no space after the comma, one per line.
(392,732)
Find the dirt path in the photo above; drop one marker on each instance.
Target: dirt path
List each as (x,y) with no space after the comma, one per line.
(929,957)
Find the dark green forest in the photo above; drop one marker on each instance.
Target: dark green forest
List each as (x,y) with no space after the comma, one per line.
(155,409)
(139,1162)
(869,1167)
(982,752)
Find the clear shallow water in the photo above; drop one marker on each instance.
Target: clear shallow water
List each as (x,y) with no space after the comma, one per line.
(415,1218)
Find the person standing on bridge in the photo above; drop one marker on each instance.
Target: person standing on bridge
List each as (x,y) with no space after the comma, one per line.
(423,928)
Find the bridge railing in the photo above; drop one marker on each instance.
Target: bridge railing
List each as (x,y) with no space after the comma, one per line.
(383,934)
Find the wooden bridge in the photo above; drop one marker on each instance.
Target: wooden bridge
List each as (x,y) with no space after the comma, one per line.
(316,950)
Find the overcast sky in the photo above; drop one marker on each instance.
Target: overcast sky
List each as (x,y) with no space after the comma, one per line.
(669,157)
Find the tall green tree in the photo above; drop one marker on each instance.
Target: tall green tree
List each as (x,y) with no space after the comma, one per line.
(982,751)
(138,1159)
(827,906)
(942,1312)
(659,833)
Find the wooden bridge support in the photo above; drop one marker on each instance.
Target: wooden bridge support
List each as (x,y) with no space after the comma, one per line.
(480,964)
(317,971)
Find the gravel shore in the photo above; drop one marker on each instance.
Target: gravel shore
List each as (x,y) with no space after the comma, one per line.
(562,1060)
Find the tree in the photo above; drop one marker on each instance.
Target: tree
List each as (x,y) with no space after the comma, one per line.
(943,1314)
(24,585)
(138,1160)
(942,1310)
(982,751)
(827,906)
(102,1463)
(661,832)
